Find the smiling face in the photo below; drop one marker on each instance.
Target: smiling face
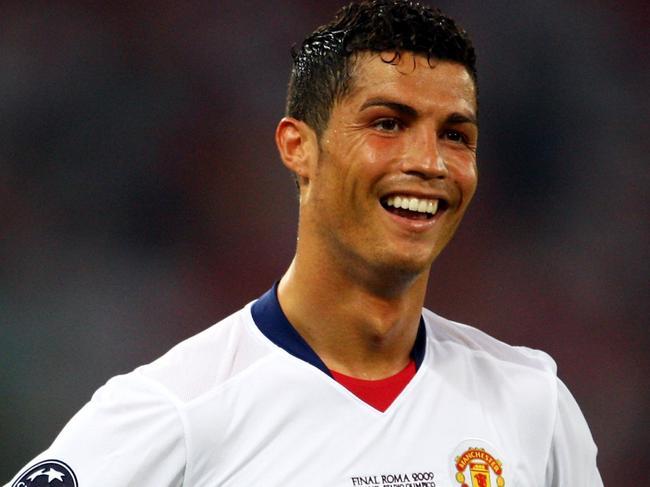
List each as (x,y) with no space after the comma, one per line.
(395,168)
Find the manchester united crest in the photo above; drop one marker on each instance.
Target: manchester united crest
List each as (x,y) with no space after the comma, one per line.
(477,467)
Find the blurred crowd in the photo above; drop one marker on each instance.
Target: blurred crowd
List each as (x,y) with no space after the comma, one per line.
(142,198)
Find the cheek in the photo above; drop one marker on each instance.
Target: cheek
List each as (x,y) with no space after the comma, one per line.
(465,174)
(356,161)
(378,153)
(364,161)
(470,176)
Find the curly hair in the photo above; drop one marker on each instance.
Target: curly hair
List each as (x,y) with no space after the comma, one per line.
(323,65)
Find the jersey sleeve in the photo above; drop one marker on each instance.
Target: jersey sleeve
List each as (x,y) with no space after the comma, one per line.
(130,433)
(572,459)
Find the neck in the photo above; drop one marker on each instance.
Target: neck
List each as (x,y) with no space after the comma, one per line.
(356,326)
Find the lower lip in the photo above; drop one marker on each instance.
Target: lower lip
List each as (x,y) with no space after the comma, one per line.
(413,225)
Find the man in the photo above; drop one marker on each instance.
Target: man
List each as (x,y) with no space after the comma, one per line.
(337,375)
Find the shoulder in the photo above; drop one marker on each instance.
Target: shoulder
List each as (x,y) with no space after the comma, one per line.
(472,342)
(505,377)
(145,410)
(208,359)
(516,387)
(519,388)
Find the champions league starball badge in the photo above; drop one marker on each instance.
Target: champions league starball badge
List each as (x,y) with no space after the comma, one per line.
(49,473)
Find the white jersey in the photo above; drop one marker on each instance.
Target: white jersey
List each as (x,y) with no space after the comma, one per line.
(248,403)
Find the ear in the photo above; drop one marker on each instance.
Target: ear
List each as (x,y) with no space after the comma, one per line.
(298,147)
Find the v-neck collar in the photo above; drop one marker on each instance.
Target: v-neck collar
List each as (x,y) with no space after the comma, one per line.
(273,323)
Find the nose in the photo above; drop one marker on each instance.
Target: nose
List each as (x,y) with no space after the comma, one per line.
(424,158)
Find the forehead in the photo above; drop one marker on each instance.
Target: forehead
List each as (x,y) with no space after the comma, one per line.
(423,81)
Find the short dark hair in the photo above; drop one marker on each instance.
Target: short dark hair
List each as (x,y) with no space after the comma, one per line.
(322,66)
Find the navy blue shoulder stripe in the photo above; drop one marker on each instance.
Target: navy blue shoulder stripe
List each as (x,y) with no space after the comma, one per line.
(272,322)
(420,345)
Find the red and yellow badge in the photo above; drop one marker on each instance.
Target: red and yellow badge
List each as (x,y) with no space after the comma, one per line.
(478,467)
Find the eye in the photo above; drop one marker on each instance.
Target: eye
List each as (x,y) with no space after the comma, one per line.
(455,136)
(387,125)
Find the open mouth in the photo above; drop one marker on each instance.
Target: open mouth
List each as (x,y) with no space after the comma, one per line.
(413,208)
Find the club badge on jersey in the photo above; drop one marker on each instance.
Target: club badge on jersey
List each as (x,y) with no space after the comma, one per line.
(49,473)
(475,465)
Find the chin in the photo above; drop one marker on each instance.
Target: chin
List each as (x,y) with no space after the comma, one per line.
(405,267)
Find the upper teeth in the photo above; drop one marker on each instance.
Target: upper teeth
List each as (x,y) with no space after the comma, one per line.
(413,204)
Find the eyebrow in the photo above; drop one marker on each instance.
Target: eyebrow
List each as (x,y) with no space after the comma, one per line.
(409,111)
(395,106)
(457,118)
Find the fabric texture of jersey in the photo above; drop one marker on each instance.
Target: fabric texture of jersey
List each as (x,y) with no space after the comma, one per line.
(231,407)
